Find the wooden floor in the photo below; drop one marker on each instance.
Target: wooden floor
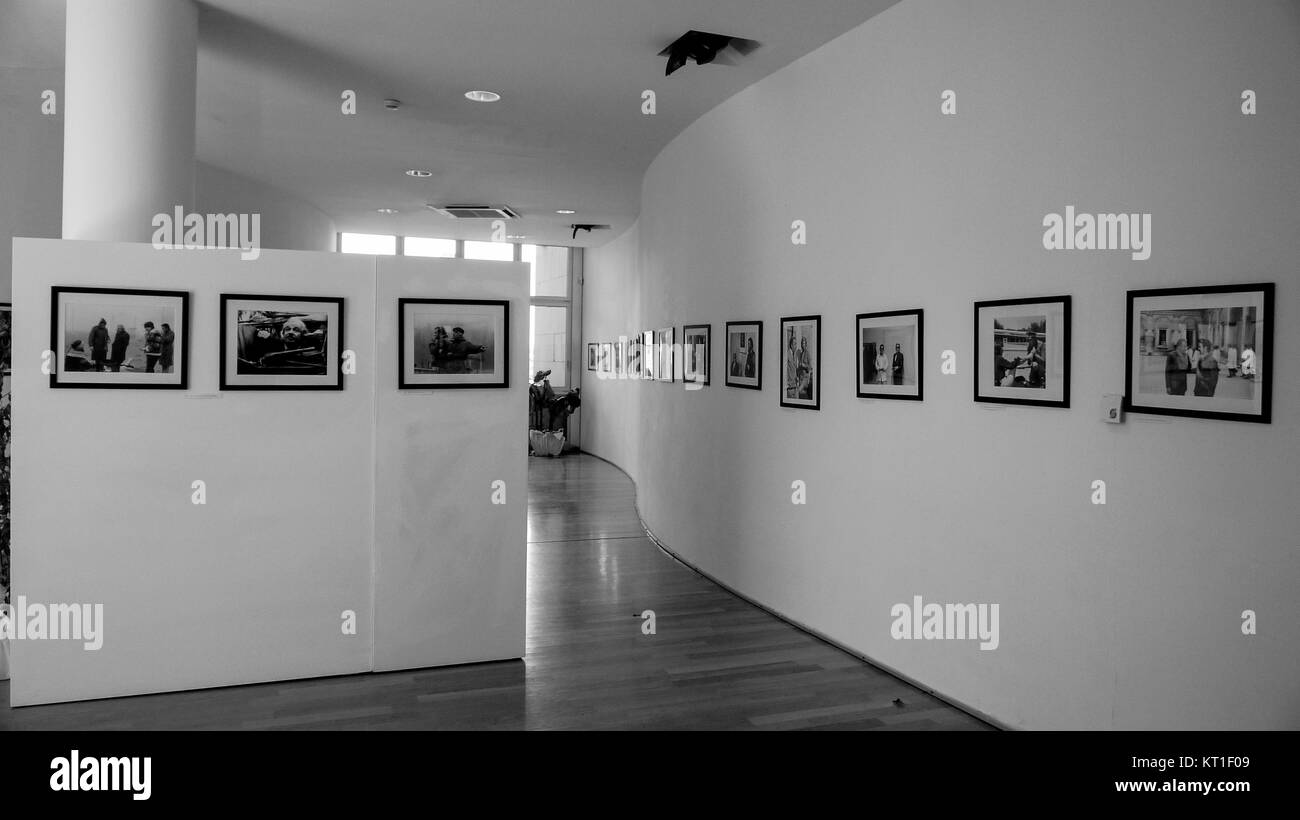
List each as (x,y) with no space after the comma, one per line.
(716,661)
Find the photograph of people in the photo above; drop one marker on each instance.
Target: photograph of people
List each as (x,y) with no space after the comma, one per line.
(1019,352)
(888,344)
(277,342)
(804,371)
(1199,351)
(122,337)
(801,337)
(744,346)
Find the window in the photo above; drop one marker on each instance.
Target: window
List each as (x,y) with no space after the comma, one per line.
(548,343)
(549,270)
(490,251)
(427,246)
(378,244)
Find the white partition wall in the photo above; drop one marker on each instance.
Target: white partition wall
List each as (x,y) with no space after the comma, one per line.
(251,585)
(449,563)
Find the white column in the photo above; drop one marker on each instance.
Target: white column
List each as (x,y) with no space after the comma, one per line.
(128,127)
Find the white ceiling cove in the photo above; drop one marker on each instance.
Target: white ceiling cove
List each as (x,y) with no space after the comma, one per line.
(568,131)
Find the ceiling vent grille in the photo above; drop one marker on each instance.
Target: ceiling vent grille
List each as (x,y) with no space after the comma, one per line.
(475,211)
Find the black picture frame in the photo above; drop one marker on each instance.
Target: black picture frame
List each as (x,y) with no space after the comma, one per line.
(755,327)
(503,345)
(814,403)
(226,377)
(58,292)
(708,354)
(7,337)
(1012,394)
(1261,337)
(918,326)
(592,351)
(649,354)
(635,356)
(665,341)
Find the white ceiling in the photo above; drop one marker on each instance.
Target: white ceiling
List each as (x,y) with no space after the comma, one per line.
(567,133)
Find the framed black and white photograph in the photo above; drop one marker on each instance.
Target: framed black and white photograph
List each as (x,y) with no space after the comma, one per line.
(1022,351)
(592,349)
(120,338)
(6,337)
(281,342)
(453,343)
(620,356)
(649,355)
(801,359)
(696,352)
(665,341)
(635,356)
(605,360)
(744,355)
(1203,352)
(889,352)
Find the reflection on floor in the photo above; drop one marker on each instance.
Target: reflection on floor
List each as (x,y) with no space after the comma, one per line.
(715,662)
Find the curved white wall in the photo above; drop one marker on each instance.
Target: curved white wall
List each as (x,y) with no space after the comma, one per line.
(1118,616)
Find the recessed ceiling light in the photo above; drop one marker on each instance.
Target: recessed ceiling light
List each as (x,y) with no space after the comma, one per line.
(565,211)
(419,172)
(482,96)
(386,210)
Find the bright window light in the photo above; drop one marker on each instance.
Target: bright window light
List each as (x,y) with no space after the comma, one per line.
(490,251)
(374,243)
(426,246)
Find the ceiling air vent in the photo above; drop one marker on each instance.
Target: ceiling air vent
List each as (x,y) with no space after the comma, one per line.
(704,47)
(475,211)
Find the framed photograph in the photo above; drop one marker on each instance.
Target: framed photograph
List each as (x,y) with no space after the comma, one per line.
(665,340)
(744,355)
(801,362)
(453,343)
(1202,351)
(649,355)
(606,361)
(890,353)
(109,337)
(695,353)
(1022,351)
(620,356)
(592,349)
(635,354)
(281,342)
(6,337)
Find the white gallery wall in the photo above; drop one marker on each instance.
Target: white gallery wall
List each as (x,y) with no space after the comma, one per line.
(1126,615)
(250,586)
(439,454)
